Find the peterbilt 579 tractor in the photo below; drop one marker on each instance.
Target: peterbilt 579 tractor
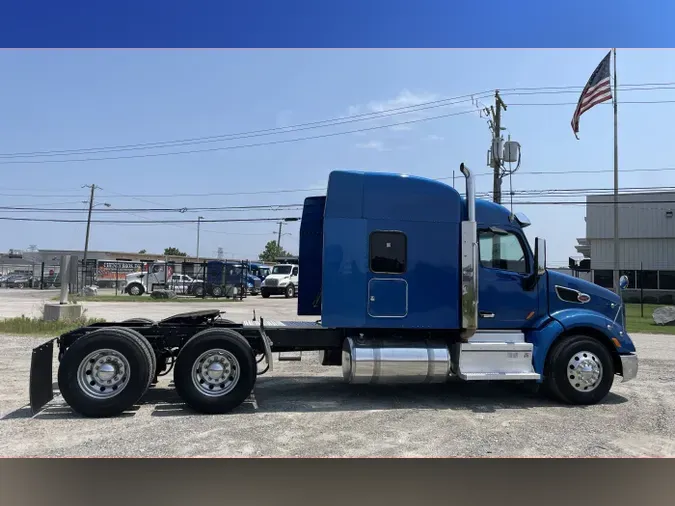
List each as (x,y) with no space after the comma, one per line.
(409,282)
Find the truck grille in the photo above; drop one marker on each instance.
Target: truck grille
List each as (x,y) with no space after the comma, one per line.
(272,282)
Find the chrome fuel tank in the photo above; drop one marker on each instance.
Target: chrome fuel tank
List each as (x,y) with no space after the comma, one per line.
(378,362)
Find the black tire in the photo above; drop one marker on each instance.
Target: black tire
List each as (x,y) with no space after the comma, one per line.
(146,344)
(135,290)
(265,294)
(559,375)
(199,291)
(200,343)
(217,291)
(122,342)
(290,291)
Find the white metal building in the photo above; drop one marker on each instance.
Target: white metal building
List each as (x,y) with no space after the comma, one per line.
(646,239)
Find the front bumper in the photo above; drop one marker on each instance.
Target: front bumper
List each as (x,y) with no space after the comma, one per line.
(274,290)
(629,366)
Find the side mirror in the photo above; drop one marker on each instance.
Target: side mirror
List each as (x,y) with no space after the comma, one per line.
(539,256)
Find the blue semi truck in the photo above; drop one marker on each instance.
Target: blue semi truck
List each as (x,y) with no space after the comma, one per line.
(409,281)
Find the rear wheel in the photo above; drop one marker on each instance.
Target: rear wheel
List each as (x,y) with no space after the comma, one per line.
(215,371)
(146,344)
(105,372)
(199,291)
(579,370)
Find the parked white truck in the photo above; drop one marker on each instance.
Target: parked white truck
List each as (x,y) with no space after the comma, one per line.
(283,280)
(154,276)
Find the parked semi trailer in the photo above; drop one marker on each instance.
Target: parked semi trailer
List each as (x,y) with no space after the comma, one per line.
(412,282)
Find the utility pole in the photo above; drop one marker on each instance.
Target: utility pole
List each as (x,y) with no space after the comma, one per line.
(199,221)
(93,188)
(279,237)
(496,155)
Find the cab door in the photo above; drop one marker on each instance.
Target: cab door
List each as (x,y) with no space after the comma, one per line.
(505,298)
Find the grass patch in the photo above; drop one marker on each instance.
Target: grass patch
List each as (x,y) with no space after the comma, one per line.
(143,298)
(645,324)
(24,326)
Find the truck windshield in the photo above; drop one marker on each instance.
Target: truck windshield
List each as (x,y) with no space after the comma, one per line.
(282,269)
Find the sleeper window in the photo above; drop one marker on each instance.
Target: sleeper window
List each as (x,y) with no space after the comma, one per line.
(388,252)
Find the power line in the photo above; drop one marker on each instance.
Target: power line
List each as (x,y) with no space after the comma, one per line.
(603,104)
(531,193)
(258,133)
(149,222)
(243,146)
(624,204)
(332,121)
(305,190)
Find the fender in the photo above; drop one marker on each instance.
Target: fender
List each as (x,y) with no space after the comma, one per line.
(575,318)
(549,329)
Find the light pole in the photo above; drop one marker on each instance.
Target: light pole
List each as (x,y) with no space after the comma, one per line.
(199,222)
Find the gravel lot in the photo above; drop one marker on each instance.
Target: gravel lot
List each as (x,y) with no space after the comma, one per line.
(304,409)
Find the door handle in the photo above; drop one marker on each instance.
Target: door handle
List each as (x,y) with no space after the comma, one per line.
(486,314)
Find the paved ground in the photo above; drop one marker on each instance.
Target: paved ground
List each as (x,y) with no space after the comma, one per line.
(303,409)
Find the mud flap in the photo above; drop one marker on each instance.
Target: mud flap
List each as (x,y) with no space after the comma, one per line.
(41,389)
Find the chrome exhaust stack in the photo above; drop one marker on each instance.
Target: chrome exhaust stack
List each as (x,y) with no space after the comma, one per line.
(469,260)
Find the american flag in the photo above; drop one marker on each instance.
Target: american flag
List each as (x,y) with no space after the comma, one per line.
(597,90)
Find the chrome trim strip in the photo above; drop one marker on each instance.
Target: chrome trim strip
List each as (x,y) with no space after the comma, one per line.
(469,273)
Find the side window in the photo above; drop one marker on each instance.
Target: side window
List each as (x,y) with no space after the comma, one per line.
(502,251)
(388,252)
(295,271)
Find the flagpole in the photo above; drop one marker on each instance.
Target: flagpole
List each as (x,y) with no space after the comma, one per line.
(616,185)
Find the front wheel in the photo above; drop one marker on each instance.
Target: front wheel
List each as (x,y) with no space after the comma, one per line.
(290,292)
(579,370)
(265,294)
(217,291)
(135,290)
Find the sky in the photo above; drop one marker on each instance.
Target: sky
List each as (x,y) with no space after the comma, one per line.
(64,100)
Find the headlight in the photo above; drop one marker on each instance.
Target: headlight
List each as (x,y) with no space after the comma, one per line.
(284,282)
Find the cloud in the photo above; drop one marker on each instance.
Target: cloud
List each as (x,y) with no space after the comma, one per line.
(375,145)
(404,107)
(434,137)
(405,98)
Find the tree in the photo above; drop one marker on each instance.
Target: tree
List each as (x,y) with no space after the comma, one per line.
(174,252)
(143,252)
(272,251)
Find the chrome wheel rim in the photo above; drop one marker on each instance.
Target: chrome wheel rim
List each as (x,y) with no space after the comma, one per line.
(103,374)
(215,373)
(134,290)
(584,371)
